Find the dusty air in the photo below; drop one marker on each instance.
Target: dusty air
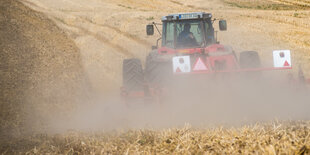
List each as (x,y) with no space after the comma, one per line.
(154,77)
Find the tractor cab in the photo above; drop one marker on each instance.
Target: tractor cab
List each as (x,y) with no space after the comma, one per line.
(187,30)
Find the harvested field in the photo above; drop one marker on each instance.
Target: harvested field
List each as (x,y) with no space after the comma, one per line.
(97,32)
(40,70)
(62,61)
(270,4)
(269,138)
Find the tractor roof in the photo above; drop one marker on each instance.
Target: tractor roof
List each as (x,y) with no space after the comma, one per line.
(186,16)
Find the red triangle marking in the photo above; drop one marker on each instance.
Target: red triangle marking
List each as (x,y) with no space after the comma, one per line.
(199,65)
(286,64)
(178,70)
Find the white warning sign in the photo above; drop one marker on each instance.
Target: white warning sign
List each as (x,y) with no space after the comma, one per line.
(181,64)
(200,65)
(282,58)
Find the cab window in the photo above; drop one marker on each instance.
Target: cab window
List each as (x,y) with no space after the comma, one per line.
(168,39)
(189,34)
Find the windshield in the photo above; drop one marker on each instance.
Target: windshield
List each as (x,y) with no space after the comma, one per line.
(187,34)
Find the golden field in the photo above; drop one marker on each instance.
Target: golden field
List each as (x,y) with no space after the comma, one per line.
(267,138)
(55,55)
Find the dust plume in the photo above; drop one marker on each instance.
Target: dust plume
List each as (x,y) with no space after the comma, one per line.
(199,100)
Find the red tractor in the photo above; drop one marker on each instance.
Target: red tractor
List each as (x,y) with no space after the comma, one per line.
(189,46)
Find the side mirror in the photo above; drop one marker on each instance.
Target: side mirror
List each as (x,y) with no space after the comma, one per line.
(149,30)
(223,25)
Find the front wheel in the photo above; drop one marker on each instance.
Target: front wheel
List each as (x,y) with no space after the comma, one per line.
(156,71)
(249,59)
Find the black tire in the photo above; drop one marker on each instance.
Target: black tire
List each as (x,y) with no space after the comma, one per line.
(133,78)
(156,71)
(249,59)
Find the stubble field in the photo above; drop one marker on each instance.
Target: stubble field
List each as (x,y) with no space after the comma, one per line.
(57,55)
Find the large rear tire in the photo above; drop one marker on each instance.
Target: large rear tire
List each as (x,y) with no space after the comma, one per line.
(249,59)
(133,78)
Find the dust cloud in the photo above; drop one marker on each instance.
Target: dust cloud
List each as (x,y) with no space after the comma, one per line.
(200,100)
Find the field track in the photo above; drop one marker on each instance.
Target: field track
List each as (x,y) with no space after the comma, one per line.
(56,55)
(124,21)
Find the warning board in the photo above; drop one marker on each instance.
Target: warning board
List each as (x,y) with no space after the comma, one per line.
(199,65)
(282,58)
(181,64)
